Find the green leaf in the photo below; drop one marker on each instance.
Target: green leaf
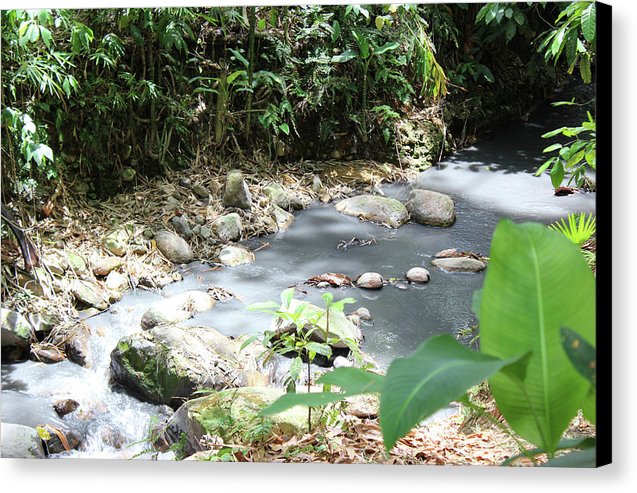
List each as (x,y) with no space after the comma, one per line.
(537,282)
(380,22)
(386,47)
(285,128)
(583,458)
(231,78)
(581,353)
(240,57)
(585,68)
(336,31)
(319,348)
(346,56)
(570,443)
(438,372)
(557,174)
(261,24)
(589,23)
(353,381)
(553,133)
(552,147)
(313,399)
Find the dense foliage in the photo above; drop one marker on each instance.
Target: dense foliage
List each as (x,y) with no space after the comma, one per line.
(108,95)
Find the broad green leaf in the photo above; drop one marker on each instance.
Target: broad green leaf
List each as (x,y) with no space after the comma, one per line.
(231,78)
(380,22)
(336,31)
(353,381)
(313,399)
(261,24)
(583,458)
(386,47)
(346,56)
(285,128)
(438,372)
(319,348)
(553,133)
(240,57)
(557,174)
(581,353)
(585,68)
(589,22)
(570,443)
(537,282)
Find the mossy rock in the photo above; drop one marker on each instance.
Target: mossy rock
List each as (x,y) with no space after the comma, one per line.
(236,193)
(233,415)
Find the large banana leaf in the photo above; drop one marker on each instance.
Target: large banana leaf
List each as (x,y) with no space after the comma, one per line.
(537,282)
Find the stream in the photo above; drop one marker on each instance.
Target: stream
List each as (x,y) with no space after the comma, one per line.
(490,180)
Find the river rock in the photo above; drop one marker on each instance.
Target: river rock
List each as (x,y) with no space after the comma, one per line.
(77,263)
(167,364)
(102,266)
(16,334)
(56,262)
(282,218)
(431,208)
(317,184)
(340,326)
(370,280)
(299,201)
(177,308)
(200,191)
(173,247)
(236,193)
(116,241)
(65,406)
(88,294)
(417,275)
(278,195)
(116,281)
(365,406)
(228,227)
(181,227)
(459,264)
(21,442)
(390,212)
(232,255)
(362,313)
(342,362)
(74,340)
(211,414)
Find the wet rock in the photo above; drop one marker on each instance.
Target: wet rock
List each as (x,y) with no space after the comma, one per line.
(173,247)
(448,252)
(65,406)
(181,227)
(370,280)
(232,255)
(74,340)
(116,241)
(46,352)
(208,415)
(177,308)
(282,218)
(104,265)
(278,195)
(236,193)
(116,281)
(459,264)
(21,442)
(228,227)
(362,313)
(341,327)
(167,364)
(60,440)
(16,333)
(43,323)
(431,208)
(417,275)
(200,191)
(88,294)
(383,210)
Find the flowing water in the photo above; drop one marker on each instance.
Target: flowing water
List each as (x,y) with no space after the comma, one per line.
(488,181)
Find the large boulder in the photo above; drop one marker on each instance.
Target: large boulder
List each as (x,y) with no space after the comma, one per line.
(228,227)
(431,208)
(177,308)
(459,264)
(340,327)
(20,442)
(228,414)
(16,334)
(168,364)
(383,210)
(233,255)
(173,247)
(236,193)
